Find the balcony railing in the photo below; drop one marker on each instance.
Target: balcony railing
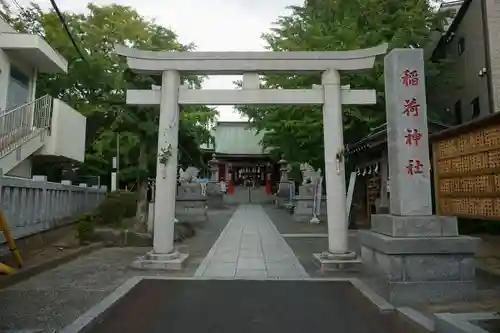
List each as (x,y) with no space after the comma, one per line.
(20,124)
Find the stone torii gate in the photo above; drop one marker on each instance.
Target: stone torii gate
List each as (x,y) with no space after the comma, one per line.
(249,64)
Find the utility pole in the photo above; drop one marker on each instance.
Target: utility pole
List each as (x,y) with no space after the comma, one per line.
(116,159)
(117,153)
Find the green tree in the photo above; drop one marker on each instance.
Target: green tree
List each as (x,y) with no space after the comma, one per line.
(336,25)
(96,83)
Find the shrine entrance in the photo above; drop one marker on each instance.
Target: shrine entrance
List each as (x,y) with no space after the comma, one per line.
(249,195)
(330,94)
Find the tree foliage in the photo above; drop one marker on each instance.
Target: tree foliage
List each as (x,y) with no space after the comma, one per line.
(336,25)
(95,84)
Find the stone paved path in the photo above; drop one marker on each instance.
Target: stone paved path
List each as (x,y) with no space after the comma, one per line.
(250,247)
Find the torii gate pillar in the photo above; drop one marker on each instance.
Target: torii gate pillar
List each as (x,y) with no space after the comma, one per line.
(334,169)
(168,137)
(250,64)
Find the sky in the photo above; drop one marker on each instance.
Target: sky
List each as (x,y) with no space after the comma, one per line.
(213,25)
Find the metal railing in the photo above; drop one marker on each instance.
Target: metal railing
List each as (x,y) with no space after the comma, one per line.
(20,124)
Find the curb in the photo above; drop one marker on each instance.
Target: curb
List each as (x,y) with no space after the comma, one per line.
(383,306)
(492,271)
(463,322)
(416,321)
(28,272)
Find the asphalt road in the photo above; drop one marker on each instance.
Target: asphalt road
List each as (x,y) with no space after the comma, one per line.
(244,306)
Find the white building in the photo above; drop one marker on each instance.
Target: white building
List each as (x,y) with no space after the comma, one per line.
(454,7)
(31,128)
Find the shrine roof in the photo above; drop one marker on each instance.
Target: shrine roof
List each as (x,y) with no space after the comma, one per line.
(378,136)
(492,119)
(236,138)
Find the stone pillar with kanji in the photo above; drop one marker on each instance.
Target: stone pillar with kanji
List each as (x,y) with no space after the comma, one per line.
(415,256)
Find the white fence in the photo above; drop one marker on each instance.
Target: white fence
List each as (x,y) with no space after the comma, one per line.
(35,205)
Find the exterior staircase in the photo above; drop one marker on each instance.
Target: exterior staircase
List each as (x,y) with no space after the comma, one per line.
(23,131)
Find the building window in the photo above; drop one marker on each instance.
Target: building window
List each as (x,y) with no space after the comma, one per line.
(457,110)
(18,91)
(476,110)
(461,46)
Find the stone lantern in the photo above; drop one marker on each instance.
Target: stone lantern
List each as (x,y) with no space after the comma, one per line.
(214,168)
(283,169)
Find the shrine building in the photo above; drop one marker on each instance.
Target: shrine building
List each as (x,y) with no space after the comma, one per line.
(369,159)
(240,155)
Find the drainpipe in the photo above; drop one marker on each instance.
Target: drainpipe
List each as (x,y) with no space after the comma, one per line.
(487,53)
(33,97)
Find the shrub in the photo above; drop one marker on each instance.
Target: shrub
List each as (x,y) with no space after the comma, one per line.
(117,206)
(473,226)
(85,228)
(183,230)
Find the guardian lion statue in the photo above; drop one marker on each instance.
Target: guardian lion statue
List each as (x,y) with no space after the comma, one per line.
(309,175)
(190,175)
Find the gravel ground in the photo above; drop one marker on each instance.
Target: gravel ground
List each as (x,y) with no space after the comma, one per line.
(55,298)
(304,247)
(283,220)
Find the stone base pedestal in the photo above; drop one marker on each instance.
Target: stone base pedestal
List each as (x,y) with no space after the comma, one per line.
(303,210)
(215,198)
(418,259)
(282,202)
(215,201)
(192,209)
(330,262)
(283,194)
(289,206)
(168,261)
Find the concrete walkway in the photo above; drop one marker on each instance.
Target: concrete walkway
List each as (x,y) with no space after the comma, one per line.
(250,247)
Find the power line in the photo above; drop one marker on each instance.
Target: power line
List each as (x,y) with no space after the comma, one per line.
(70,36)
(28,15)
(21,9)
(73,42)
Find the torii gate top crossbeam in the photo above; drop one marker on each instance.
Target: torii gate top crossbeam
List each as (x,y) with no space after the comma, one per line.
(234,63)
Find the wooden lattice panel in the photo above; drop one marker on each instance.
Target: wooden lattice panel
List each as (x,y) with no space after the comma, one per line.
(469,143)
(445,185)
(494,159)
(468,163)
(467,173)
(468,185)
(446,148)
(464,144)
(496,207)
(491,137)
(443,166)
(472,207)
